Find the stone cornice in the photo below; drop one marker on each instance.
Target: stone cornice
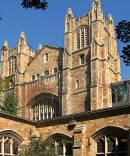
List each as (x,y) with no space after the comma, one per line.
(90,115)
(17,118)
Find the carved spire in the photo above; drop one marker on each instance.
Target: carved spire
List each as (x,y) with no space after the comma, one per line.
(22,39)
(68,20)
(110,19)
(96,9)
(96,4)
(5,43)
(39,46)
(70,13)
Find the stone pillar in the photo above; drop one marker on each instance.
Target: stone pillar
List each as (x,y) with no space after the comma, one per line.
(79,148)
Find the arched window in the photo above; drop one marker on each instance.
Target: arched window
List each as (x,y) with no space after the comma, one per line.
(111,141)
(38,76)
(63,145)
(11,83)
(81,59)
(12,65)
(46,58)
(46,106)
(9,144)
(55,70)
(46,73)
(33,77)
(82,37)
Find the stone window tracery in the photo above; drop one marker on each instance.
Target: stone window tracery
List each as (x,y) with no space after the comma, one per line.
(12,65)
(111,141)
(111,144)
(45,108)
(63,145)
(8,146)
(82,37)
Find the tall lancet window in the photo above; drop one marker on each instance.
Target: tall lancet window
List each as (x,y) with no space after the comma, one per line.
(82,37)
(12,65)
(78,40)
(46,58)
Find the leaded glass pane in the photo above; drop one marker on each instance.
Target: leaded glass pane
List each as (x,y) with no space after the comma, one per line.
(111,142)
(119,93)
(15,148)
(7,147)
(101,145)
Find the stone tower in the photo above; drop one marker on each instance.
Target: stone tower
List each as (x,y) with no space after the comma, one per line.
(90,61)
(78,75)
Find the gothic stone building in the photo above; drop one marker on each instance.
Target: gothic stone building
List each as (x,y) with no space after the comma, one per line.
(73,93)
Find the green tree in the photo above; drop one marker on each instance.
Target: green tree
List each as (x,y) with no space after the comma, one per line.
(123,34)
(37,4)
(38,147)
(10,104)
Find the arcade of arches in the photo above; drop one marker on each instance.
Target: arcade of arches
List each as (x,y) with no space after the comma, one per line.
(98,136)
(110,141)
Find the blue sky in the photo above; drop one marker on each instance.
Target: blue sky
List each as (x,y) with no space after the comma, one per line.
(48,27)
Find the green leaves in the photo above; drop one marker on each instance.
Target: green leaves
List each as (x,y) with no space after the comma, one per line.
(126,55)
(37,4)
(123,34)
(123,31)
(10,104)
(38,147)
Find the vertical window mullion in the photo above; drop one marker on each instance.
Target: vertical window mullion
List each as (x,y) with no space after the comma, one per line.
(116,148)
(2,145)
(106,146)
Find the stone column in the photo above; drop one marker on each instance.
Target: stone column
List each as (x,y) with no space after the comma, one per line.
(79,148)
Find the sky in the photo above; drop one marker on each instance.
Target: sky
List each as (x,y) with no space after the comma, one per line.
(47,27)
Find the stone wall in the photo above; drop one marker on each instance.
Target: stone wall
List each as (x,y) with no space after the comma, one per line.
(87,124)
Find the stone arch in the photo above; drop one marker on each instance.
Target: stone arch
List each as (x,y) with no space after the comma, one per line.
(45,106)
(62,141)
(64,135)
(11,133)
(110,139)
(9,142)
(116,129)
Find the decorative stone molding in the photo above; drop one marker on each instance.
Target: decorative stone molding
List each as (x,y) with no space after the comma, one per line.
(79,136)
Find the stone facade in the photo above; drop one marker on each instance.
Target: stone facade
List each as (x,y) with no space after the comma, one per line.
(75,92)
(77,74)
(84,132)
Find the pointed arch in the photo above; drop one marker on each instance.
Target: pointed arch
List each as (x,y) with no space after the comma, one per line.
(110,139)
(9,142)
(8,132)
